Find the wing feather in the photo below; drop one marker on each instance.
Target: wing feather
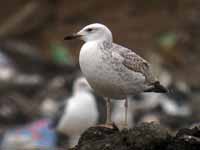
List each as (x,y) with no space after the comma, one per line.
(135,63)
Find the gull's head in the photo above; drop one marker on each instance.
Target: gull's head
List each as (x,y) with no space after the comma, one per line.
(92,32)
(81,84)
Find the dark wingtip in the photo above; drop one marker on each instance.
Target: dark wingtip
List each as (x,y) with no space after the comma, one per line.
(158,88)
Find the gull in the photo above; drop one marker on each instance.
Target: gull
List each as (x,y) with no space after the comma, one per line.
(117,113)
(113,71)
(78,113)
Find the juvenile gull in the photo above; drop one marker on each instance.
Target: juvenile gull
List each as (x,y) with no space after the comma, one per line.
(112,70)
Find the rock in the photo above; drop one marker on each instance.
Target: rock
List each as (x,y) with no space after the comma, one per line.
(145,136)
(186,139)
(142,137)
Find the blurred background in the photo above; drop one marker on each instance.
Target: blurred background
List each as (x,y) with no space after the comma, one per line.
(38,68)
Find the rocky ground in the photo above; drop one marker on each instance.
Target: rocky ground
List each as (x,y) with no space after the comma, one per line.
(146,136)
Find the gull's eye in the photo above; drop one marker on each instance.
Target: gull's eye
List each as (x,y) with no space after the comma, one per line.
(89,30)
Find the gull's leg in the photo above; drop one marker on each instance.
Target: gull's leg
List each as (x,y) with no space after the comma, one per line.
(108,106)
(126,113)
(109,123)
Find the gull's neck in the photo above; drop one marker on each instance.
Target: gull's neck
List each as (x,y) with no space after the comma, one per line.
(79,91)
(106,38)
(103,42)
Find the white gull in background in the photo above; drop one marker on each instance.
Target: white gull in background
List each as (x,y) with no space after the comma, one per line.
(79,113)
(112,70)
(117,113)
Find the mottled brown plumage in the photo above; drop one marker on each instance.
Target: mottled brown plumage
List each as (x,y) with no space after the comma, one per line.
(137,64)
(134,62)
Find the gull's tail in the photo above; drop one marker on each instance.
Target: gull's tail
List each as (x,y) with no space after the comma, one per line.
(157,87)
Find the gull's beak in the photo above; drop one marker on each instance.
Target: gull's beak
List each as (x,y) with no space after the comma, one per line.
(73,36)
